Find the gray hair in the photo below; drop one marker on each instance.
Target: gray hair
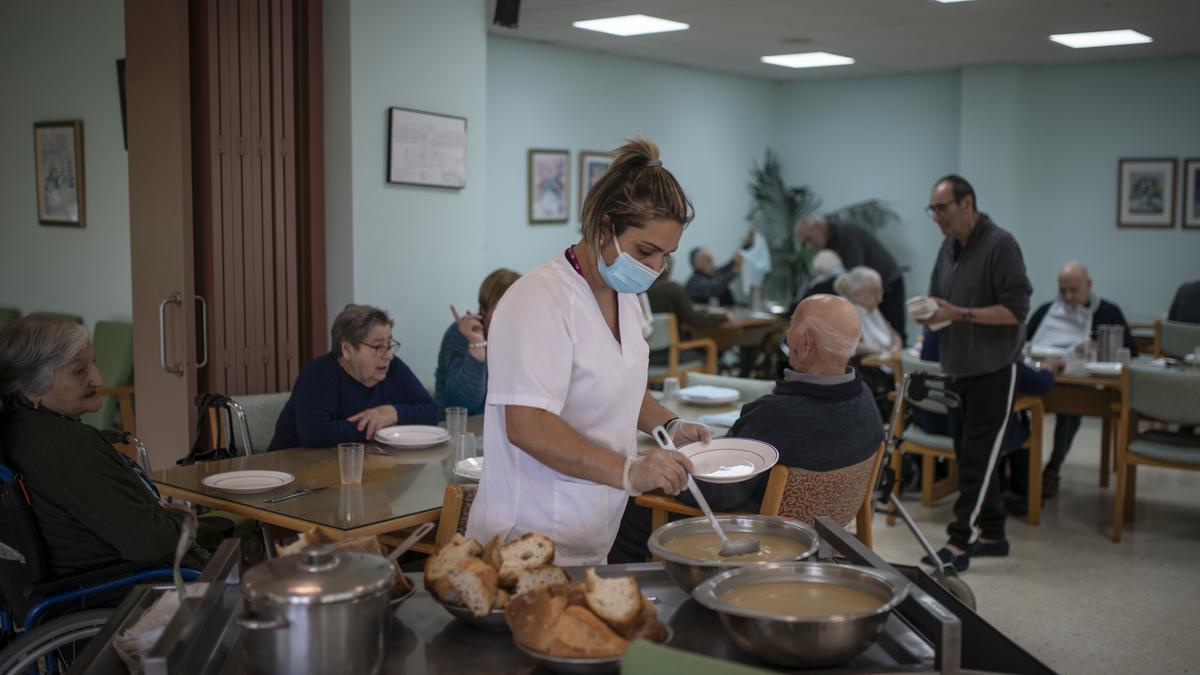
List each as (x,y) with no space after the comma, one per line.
(353,324)
(32,348)
(856,280)
(827,261)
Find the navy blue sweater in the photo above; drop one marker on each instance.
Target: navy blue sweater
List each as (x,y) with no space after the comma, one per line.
(325,396)
(460,379)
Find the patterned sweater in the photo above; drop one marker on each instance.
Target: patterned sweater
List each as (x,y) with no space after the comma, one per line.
(460,379)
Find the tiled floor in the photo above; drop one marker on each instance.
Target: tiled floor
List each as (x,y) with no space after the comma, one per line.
(1067,593)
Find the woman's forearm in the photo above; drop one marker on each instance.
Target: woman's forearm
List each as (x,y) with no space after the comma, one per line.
(652,414)
(551,441)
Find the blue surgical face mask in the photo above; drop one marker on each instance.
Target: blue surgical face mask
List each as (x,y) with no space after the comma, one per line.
(625,275)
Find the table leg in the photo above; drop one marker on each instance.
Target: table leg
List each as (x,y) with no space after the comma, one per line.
(1131,492)
(1105,450)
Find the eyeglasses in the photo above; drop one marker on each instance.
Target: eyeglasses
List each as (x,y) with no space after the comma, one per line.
(938,209)
(391,345)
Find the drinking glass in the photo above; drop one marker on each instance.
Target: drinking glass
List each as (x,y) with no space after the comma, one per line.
(350,462)
(456,421)
(1124,355)
(464,446)
(670,389)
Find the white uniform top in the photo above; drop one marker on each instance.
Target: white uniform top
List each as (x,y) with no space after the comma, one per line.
(550,348)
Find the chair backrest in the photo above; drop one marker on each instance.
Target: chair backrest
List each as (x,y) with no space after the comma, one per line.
(665,332)
(8,314)
(911,364)
(456,508)
(1167,394)
(113,341)
(23,558)
(254,417)
(748,388)
(1178,339)
(838,494)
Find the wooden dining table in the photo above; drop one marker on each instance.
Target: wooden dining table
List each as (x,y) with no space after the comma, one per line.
(749,328)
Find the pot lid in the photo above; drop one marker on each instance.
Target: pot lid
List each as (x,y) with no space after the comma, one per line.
(318,575)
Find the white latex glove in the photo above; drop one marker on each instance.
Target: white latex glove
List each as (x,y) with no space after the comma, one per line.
(657,469)
(684,433)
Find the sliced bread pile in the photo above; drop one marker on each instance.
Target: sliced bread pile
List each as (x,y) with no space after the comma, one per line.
(593,619)
(483,578)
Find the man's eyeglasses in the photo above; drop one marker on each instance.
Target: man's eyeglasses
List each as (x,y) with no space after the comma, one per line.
(938,209)
(392,346)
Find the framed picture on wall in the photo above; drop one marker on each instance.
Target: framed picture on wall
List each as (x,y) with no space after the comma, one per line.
(58,162)
(1191,192)
(548,185)
(427,148)
(1146,193)
(592,166)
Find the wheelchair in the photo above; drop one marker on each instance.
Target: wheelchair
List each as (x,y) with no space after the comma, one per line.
(44,625)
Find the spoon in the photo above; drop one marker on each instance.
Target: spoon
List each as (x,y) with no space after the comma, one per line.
(728,546)
(413,538)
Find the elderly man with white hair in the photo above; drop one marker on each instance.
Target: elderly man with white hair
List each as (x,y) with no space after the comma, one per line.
(821,416)
(863,287)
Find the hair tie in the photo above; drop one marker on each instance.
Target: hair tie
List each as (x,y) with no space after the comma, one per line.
(654,162)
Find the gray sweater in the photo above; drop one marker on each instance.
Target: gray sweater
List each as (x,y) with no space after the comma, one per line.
(988,271)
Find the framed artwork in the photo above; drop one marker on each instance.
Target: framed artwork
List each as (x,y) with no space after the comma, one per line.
(426,149)
(1146,193)
(1191,192)
(548,185)
(58,161)
(592,166)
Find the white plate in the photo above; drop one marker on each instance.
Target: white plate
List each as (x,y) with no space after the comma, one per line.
(1046,352)
(469,468)
(730,460)
(708,395)
(412,436)
(1106,368)
(248,482)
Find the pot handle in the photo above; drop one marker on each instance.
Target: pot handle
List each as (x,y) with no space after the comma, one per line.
(251,623)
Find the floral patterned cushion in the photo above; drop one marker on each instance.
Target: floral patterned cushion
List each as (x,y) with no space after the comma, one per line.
(837,494)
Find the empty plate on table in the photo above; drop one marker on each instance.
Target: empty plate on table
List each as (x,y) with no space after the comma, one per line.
(704,394)
(471,468)
(413,436)
(730,460)
(248,482)
(1107,368)
(1045,352)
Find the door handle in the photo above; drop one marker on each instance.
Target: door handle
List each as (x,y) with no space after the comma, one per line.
(177,299)
(203,330)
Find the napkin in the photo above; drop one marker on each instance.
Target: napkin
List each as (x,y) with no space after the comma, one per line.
(725,419)
(921,307)
(134,642)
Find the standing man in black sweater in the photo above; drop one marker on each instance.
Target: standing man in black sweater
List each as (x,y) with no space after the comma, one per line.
(858,247)
(980,286)
(1066,323)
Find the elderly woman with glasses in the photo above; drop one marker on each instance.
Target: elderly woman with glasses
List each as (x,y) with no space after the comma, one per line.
(360,387)
(94,507)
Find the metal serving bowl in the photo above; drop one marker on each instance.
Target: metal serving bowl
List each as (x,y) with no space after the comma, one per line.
(688,573)
(493,620)
(581,666)
(804,642)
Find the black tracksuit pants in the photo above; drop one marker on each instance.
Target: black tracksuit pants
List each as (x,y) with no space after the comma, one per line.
(893,308)
(978,427)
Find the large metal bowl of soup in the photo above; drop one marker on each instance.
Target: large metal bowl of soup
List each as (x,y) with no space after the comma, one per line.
(689,548)
(803,615)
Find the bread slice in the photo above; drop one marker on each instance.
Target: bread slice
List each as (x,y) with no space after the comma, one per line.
(474,581)
(491,552)
(579,633)
(617,601)
(529,551)
(456,549)
(647,625)
(532,616)
(540,577)
(502,599)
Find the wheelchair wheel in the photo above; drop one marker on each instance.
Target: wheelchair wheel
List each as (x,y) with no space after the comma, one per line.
(54,645)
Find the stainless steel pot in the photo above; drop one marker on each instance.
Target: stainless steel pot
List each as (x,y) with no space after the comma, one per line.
(320,611)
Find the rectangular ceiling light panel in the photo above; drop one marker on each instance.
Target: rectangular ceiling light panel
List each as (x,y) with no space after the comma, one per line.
(1104,38)
(808,60)
(633,24)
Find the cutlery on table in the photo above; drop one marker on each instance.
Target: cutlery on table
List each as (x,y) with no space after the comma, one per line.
(306,490)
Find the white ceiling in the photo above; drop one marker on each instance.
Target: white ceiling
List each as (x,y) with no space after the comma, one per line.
(884,36)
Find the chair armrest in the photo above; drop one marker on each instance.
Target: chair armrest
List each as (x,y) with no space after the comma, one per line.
(708,345)
(668,504)
(90,577)
(1031,403)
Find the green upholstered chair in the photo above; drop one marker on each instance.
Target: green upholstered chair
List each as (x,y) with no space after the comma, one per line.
(8,314)
(1176,338)
(666,338)
(1170,395)
(749,388)
(114,358)
(253,419)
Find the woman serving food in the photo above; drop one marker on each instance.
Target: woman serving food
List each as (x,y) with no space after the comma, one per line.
(567,368)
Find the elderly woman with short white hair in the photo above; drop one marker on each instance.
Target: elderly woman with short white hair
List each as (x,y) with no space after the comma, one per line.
(94,507)
(863,287)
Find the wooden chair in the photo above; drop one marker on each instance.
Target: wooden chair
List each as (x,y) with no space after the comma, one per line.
(750,389)
(800,494)
(456,507)
(931,447)
(666,337)
(1167,395)
(1175,338)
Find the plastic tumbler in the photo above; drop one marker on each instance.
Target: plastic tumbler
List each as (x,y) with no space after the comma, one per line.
(671,389)
(456,421)
(464,446)
(350,462)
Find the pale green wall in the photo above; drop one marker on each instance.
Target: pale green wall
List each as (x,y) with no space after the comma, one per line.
(410,250)
(709,127)
(59,62)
